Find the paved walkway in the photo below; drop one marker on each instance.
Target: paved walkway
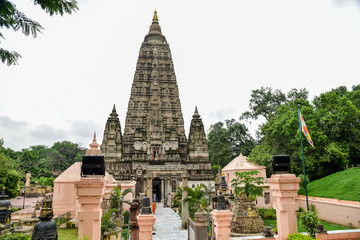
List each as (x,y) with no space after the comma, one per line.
(167,225)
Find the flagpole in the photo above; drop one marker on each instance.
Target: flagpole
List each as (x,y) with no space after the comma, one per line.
(303,159)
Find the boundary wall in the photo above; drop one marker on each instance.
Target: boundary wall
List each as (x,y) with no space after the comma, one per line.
(352,234)
(333,210)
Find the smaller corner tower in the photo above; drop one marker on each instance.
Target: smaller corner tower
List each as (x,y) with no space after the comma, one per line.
(198,150)
(112,140)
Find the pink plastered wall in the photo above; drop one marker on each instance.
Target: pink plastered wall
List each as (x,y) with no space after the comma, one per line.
(64,199)
(334,210)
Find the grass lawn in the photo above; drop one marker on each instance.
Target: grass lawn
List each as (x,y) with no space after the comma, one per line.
(327,225)
(72,233)
(67,233)
(344,185)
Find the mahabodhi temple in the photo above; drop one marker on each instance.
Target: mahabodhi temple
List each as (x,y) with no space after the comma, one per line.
(154,150)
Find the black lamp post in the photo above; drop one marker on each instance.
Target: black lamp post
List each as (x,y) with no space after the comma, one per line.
(24,193)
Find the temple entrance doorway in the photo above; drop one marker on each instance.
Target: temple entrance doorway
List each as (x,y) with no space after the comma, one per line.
(156,186)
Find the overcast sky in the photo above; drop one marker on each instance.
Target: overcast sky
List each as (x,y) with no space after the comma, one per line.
(71,75)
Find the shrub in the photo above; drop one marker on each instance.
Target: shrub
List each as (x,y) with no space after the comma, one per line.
(16,236)
(267,213)
(15,209)
(309,220)
(301,209)
(274,228)
(48,182)
(302,182)
(298,236)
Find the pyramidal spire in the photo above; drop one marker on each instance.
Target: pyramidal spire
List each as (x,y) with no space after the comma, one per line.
(94,139)
(113,113)
(196,113)
(94,147)
(155,17)
(155,35)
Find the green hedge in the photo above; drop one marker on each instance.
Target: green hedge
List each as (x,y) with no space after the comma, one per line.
(299,236)
(265,213)
(15,236)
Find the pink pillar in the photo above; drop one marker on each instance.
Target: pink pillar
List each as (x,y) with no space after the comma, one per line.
(285,188)
(222,220)
(89,192)
(146,223)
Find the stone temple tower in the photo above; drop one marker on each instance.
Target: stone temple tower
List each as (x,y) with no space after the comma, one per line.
(154,149)
(111,144)
(154,126)
(198,150)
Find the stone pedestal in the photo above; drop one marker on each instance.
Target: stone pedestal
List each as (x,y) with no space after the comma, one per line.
(134,225)
(149,191)
(197,229)
(222,220)
(146,223)
(185,205)
(284,188)
(90,192)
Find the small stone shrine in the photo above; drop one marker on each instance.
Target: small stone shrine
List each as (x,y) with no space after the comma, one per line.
(46,229)
(5,214)
(245,220)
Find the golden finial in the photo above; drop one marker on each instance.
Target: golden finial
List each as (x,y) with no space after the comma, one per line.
(155,17)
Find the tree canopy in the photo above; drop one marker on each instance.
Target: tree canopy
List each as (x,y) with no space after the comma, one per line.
(227,140)
(12,18)
(41,161)
(333,119)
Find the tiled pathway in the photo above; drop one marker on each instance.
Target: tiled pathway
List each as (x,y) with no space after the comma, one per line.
(167,225)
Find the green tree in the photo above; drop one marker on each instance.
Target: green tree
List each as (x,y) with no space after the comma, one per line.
(108,225)
(63,154)
(227,140)
(246,183)
(9,177)
(263,102)
(262,155)
(177,198)
(115,198)
(11,184)
(12,18)
(196,197)
(333,119)
(28,162)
